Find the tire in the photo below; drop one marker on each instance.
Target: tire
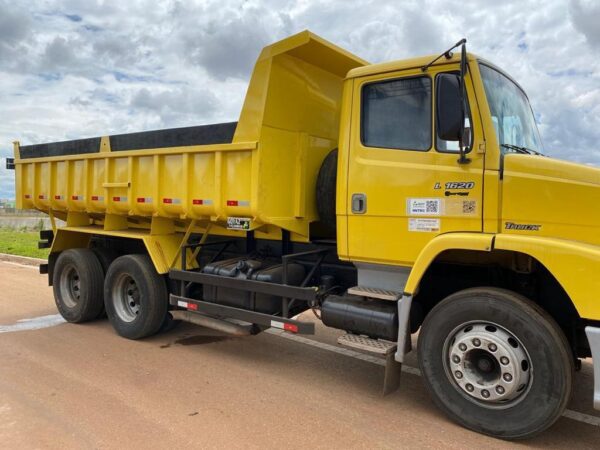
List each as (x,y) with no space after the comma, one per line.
(326,182)
(538,362)
(135,297)
(106,256)
(168,324)
(77,283)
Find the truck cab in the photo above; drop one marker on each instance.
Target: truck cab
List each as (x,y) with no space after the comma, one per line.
(398,176)
(416,214)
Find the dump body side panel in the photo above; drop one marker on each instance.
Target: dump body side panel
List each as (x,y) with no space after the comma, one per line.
(263,172)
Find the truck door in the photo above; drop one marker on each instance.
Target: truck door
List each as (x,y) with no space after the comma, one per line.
(404,185)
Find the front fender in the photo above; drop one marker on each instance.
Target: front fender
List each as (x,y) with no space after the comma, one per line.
(450,241)
(575,265)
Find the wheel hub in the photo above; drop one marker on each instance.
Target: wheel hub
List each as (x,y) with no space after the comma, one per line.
(488,364)
(70,286)
(485,364)
(126,298)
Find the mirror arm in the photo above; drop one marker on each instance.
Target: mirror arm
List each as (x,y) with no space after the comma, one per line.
(463,73)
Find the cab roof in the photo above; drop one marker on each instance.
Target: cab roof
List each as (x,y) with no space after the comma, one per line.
(404,64)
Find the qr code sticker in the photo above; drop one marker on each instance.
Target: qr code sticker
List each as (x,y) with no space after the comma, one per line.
(432,207)
(424,207)
(469,206)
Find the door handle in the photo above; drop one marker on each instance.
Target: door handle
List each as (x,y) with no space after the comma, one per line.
(359,203)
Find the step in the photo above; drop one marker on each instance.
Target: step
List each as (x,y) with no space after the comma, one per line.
(367,344)
(370,292)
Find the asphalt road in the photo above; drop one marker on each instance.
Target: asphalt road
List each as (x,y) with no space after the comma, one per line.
(81,386)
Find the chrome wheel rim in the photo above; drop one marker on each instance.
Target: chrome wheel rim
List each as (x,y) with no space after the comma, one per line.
(70,286)
(487,364)
(126,298)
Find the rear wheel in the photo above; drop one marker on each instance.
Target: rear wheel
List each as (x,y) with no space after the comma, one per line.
(106,256)
(496,363)
(77,283)
(135,297)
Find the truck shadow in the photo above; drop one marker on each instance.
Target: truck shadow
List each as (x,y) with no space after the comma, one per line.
(201,339)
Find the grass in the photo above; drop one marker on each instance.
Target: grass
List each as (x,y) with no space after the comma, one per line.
(21,242)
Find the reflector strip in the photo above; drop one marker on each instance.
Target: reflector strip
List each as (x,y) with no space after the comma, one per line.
(27,195)
(42,197)
(190,306)
(290,327)
(238,203)
(97,198)
(76,197)
(119,199)
(285,326)
(58,197)
(144,199)
(201,201)
(172,201)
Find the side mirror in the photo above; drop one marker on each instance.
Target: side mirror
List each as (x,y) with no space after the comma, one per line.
(449,107)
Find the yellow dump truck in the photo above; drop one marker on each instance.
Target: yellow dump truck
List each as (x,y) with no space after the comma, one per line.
(387,198)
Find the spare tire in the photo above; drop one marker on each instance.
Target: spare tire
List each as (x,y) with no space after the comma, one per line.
(326,182)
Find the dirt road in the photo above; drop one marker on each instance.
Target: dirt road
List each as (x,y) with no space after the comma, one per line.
(82,386)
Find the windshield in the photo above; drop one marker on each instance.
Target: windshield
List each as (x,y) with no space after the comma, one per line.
(511,113)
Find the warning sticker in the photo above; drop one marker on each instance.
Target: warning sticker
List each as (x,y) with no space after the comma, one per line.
(238,223)
(424,206)
(424,225)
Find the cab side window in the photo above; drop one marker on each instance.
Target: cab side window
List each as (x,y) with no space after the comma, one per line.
(397,114)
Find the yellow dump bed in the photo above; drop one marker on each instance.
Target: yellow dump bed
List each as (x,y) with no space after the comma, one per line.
(256,174)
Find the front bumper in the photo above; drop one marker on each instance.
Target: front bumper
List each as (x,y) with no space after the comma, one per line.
(593,335)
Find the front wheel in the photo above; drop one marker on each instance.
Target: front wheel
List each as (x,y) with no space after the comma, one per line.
(496,363)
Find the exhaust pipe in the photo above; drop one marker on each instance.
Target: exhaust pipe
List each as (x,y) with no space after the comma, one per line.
(212,323)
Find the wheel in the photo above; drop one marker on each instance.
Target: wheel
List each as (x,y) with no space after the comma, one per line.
(169,323)
(496,363)
(106,256)
(77,284)
(135,297)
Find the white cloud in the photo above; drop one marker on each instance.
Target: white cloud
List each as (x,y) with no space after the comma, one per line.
(75,68)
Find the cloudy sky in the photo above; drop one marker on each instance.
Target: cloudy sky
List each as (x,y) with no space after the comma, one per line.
(82,68)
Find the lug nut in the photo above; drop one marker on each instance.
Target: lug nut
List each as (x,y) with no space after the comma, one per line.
(476,342)
(458,374)
(455,359)
(492,347)
(469,387)
(462,347)
(504,360)
(485,393)
(500,390)
(507,377)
